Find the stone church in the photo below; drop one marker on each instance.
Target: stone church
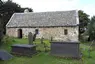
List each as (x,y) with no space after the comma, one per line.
(60,25)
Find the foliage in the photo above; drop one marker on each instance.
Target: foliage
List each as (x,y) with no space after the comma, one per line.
(46,58)
(44,44)
(91,29)
(7,9)
(83,21)
(1,35)
(7,39)
(1,3)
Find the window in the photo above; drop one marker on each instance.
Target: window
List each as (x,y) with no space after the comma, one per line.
(36,31)
(65,31)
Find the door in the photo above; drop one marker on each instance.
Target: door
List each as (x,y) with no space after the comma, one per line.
(19,33)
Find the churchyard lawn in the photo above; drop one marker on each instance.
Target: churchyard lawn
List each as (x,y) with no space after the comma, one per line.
(44,57)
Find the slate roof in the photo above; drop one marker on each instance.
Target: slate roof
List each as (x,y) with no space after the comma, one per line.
(40,19)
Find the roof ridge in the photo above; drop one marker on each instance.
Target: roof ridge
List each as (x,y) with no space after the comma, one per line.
(46,12)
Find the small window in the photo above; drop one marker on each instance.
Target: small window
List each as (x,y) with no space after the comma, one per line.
(36,31)
(65,31)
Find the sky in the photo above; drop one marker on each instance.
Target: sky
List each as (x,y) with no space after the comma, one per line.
(88,6)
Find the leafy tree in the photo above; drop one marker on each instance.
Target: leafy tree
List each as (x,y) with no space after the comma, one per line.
(7,9)
(83,21)
(91,29)
(1,30)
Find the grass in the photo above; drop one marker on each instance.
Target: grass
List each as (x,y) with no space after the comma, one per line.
(45,57)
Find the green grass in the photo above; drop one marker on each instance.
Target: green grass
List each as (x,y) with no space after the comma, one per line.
(45,57)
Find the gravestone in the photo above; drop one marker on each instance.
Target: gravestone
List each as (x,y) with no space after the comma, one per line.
(30,38)
(25,49)
(5,55)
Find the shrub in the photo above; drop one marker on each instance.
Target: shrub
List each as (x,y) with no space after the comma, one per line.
(1,36)
(7,39)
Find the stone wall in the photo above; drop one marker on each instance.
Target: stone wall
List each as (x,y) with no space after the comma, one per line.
(56,32)
(11,32)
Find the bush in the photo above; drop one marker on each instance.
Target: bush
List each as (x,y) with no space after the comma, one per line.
(7,39)
(1,36)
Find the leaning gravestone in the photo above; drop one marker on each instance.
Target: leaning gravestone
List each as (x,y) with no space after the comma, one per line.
(30,38)
(5,55)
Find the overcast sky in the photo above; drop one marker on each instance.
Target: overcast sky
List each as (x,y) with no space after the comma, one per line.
(88,6)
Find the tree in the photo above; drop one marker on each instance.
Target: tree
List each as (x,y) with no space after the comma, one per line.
(1,30)
(83,21)
(1,2)
(91,29)
(7,9)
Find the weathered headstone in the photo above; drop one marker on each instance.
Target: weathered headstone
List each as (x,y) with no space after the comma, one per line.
(30,38)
